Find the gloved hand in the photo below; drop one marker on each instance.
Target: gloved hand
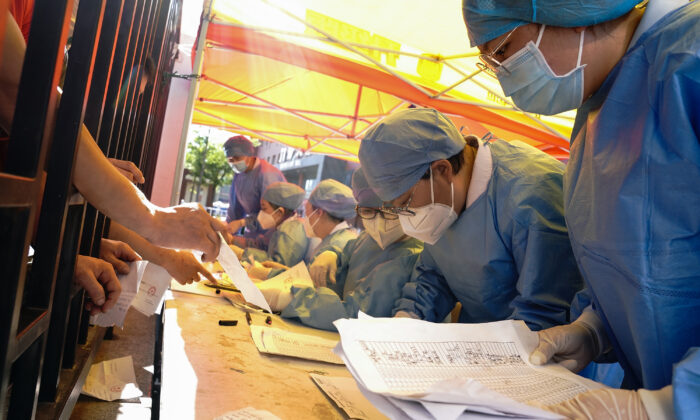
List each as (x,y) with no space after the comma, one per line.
(323,269)
(603,404)
(258,271)
(405,314)
(277,297)
(573,346)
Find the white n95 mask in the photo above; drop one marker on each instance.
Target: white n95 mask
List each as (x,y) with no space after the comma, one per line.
(432,220)
(266,220)
(308,227)
(527,78)
(384,232)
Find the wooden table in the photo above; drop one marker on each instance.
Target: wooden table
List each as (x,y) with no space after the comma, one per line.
(209,370)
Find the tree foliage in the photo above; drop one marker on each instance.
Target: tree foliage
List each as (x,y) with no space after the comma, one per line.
(207,163)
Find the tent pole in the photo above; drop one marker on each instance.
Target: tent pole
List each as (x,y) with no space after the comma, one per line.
(194,88)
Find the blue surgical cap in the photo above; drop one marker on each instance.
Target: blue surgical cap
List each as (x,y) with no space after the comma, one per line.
(365,196)
(284,194)
(397,152)
(334,198)
(489,19)
(239,146)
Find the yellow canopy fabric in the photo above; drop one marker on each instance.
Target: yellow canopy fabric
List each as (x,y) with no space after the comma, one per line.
(295,72)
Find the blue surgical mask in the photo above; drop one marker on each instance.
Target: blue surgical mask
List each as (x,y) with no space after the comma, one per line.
(239,166)
(527,78)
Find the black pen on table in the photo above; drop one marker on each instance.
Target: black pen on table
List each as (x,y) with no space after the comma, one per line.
(248,318)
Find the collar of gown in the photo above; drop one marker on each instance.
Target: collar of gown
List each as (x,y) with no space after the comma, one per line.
(481,174)
(655,10)
(340,226)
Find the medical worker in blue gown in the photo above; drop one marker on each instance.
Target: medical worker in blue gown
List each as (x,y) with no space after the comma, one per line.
(631,187)
(288,241)
(368,275)
(251,177)
(491,217)
(329,205)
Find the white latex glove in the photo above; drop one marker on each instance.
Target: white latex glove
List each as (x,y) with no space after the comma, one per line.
(572,346)
(277,297)
(258,271)
(324,268)
(603,404)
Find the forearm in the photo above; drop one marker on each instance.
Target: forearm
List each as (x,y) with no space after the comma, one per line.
(145,249)
(110,192)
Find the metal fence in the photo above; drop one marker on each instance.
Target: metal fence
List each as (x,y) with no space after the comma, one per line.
(46,345)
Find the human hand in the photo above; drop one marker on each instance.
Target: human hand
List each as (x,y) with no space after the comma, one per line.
(602,404)
(234,226)
(277,297)
(187,226)
(274,265)
(185,268)
(96,277)
(324,268)
(118,254)
(129,170)
(258,270)
(572,346)
(405,314)
(237,250)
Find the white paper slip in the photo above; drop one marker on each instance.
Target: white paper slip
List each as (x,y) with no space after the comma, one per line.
(248,413)
(112,380)
(154,283)
(345,393)
(228,260)
(130,285)
(297,275)
(286,343)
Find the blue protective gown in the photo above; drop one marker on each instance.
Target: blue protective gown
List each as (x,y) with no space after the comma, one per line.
(633,202)
(508,254)
(287,246)
(335,242)
(369,279)
(246,190)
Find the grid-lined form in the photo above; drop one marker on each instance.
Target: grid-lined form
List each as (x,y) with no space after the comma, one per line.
(415,366)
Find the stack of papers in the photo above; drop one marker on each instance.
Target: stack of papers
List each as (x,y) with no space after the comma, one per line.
(415,369)
(286,343)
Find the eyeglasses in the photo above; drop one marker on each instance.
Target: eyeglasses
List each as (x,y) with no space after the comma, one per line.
(372,212)
(491,65)
(402,210)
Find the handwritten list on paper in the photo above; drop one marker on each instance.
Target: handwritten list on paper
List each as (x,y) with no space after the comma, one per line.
(497,365)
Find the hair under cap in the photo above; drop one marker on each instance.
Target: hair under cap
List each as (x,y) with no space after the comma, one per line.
(239,146)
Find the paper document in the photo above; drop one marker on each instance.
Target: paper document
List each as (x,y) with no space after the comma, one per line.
(248,413)
(130,285)
(482,367)
(285,343)
(154,283)
(344,392)
(112,380)
(297,275)
(228,260)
